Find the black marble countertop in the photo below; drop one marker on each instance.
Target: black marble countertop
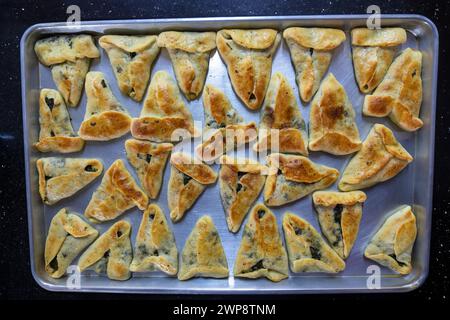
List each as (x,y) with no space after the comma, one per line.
(16,16)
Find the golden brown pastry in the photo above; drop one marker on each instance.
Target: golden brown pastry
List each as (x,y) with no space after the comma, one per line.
(381,158)
(339,216)
(189,52)
(294,177)
(68,235)
(149,159)
(56,132)
(155,247)
(105,118)
(373,51)
(392,245)
(332,126)
(188,179)
(399,95)
(261,253)
(117,193)
(248,55)
(110,253)
(131,58)
(308,252)
(164,116)
(311,52)
(60,178)
(203,254)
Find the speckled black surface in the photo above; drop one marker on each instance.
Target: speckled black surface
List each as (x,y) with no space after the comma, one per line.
(16,16)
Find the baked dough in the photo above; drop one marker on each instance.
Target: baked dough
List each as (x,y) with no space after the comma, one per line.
(282,127)
(56,132)
(105,118)
(311,52)
(60,178)
(188,179)
(248,55)
(332,126)
(131,58)
(392,245)
(399,95)
(294,177)
(261,253)
(68,235)
(381,158)
(164,116)
(149,159)
(339,216)
(155,247)
(203,254)
(373,51)
(117,193)
(189,52)
(110,253)
(308,252)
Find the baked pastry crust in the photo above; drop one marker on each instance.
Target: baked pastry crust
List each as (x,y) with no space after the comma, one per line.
(110,253)
(332,126)
(131,58)
(56,132)
(311,51)
(117,193)
(261,253)
(248,55)
(60,178)
(189,52)
(381,158)
(155,247)
(339,215)
(308,252)
(105,118)
(393,243)
(67,236)
(282,126)
(203,254)
(294,177)
(399,95)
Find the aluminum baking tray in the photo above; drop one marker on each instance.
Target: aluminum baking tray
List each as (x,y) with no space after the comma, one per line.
(413,186)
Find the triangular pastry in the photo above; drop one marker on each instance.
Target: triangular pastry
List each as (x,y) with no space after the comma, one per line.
(294,177)
(203,254)
(381,158)
(399,95)
(189,52)
(56,132)
(188,179)
(339,215)
(332,126)
(248,55)
(131,58)
(164,116)
(282,127)
(117,193)
(241,182)
(393,243)
(105,118)
(261,253)
(60,178)
(373,51)
(149,159)
(311,51)
(224,126)
(68,235)
(155,247)
(308,252)
(110,253)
